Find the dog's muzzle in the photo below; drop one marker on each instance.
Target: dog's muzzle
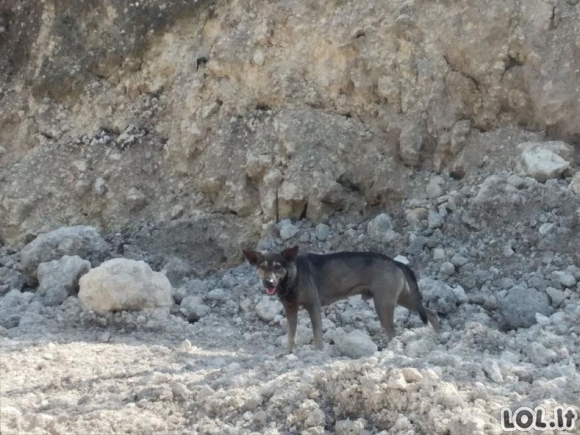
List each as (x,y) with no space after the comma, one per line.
(270,287)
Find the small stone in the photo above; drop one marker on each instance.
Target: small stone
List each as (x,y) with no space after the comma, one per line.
(136,200)
(566,279)
(378,227)
(508,251)
(491,369)
(435,220)
(546,228)
(556,296)
(259,57)
(542,320)
(575,183)
(447,269)
(180,392)
(99,187)
(434,188)
(268,308)
(417,215)
(177,211)
(438,254)
(186,345)
(287,229)
(322,232)
(397,381)
(516,181)
(402,259)
(539,354)
(412,374)
(459,260)
(194,308)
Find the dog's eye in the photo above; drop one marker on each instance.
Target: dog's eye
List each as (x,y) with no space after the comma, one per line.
(277,267)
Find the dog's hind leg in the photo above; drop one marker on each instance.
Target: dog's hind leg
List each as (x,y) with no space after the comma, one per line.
(406,300)
(314,310)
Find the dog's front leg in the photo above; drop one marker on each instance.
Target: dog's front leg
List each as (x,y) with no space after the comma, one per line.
(291,323)
(314,310)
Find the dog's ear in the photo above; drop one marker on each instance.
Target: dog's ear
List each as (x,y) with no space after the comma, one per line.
(290,253)
(253,257)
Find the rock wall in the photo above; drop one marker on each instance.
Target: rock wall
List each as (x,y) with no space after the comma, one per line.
(113,112)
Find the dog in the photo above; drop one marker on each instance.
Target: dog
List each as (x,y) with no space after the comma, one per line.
(312,281)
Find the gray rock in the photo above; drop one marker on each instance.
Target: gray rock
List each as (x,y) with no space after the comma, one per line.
(12,307)
(194,308)
(491,369)
(435,220)
(417,215)
(176,270)
(438,295)
(84,241)
(59,279)
(378,227)
(566,279)
(438,254)
(99,187)
(459,260)
(192,287)
(287,229)
(268,308)
(355,344)
(539,354)
(322,232)
(575,183)
(434,189)
(519,306)
(556,296)
(447,269)
(10,279)
(217,294)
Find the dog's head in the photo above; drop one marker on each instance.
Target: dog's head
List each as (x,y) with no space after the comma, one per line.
(272,267)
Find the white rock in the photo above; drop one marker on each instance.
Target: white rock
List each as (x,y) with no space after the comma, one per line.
(268,308)
(402,259)
(397,381)
(438,254)
(122,284)
(412,374)
(541,164)
(355,344)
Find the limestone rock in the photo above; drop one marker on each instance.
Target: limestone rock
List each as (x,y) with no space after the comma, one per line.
(122,284)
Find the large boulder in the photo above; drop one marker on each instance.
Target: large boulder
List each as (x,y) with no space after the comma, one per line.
(519,306)
(438,295)
(121,284)
(12,308)
(84,241)
(544,161)
(59,279)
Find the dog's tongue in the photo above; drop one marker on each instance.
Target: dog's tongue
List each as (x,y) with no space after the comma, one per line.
(271,290)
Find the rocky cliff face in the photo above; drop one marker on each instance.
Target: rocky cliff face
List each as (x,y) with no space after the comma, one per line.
(112,112)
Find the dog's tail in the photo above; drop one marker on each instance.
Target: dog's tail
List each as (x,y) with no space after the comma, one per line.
(414,288)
